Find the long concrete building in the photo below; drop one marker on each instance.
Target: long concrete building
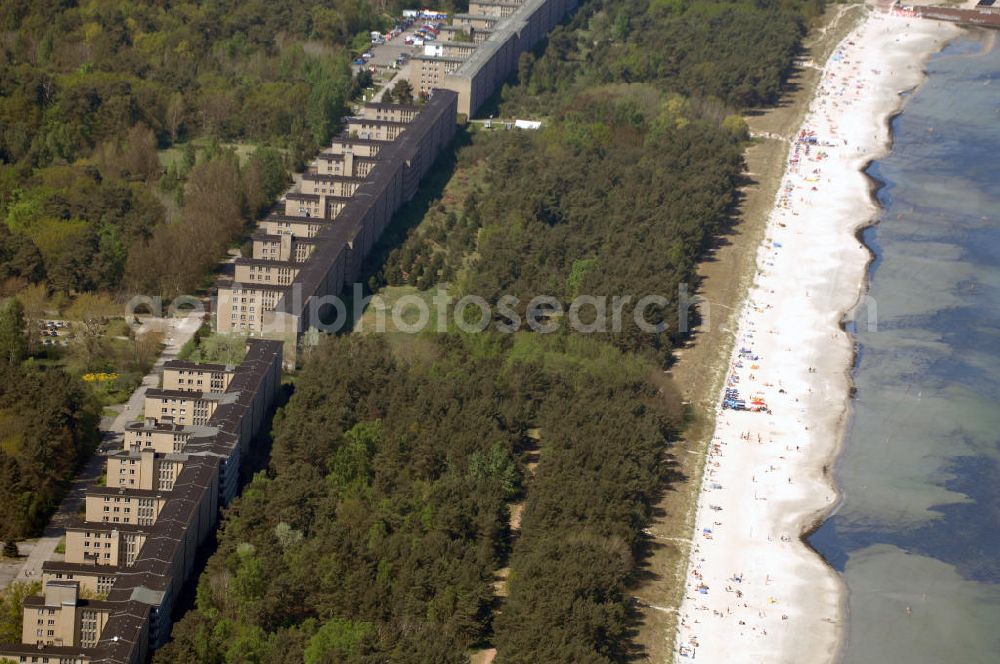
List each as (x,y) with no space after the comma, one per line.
(135,545)
(342,205)
(341,248)
(313,246)
(500,31)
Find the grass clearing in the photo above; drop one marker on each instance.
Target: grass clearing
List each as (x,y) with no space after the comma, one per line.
(393,312)
(175,153)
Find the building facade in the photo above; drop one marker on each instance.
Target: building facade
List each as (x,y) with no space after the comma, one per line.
(131,551)
(59,617)
(495,34)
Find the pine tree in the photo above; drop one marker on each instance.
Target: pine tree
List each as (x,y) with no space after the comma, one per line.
(13,340)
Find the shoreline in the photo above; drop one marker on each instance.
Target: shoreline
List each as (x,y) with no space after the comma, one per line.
(754,598)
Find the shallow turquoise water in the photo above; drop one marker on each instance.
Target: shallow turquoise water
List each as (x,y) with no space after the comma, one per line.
(917,537)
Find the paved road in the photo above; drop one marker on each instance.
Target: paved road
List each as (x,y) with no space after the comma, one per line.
(178,331)
(386,87)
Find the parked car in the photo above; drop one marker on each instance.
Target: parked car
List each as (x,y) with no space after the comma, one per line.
(359,62)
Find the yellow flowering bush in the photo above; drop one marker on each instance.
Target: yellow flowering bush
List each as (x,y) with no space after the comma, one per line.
(99,377)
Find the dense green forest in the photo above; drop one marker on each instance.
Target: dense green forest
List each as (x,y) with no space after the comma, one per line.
(115,177)
(92,95)
(48,425)
(635,171)
(736,51)
(619,198)
(375,533)
(91,91)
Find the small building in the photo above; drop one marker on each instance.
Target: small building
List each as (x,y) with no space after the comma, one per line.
(379,130)
(144,470)
(95,579)
(296,226)
(59,617)
(393,112)
(240,307)
(359,147)
(476,21)
(186,407)
(253,271)
(426,73)
(342,163)
(116,545)
(499,8)
(182,375)
(118,505)
(314,205)
(332,185)
(161,434)
(285,247)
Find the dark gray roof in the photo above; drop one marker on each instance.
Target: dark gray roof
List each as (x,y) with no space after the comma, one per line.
(374,121)
(335,239)
(77,523)
(404,107)
(266,262)
(268,237)
(16,650)
(326,177)
(186,364)
(347,140)
(121,491)
(145,585)
(158,393)
(251,286)
(61,566)
(339,156)
(123,638)
(39,600)
(293,218)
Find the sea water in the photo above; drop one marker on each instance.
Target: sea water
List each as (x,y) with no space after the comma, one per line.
(917,535)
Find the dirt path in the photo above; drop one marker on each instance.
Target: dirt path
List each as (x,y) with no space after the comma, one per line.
(700,366)
(531,459)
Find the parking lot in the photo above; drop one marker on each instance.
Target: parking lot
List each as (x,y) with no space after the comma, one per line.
(385,56)
(55,332)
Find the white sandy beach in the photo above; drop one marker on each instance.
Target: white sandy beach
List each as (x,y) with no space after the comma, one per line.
(754,592)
